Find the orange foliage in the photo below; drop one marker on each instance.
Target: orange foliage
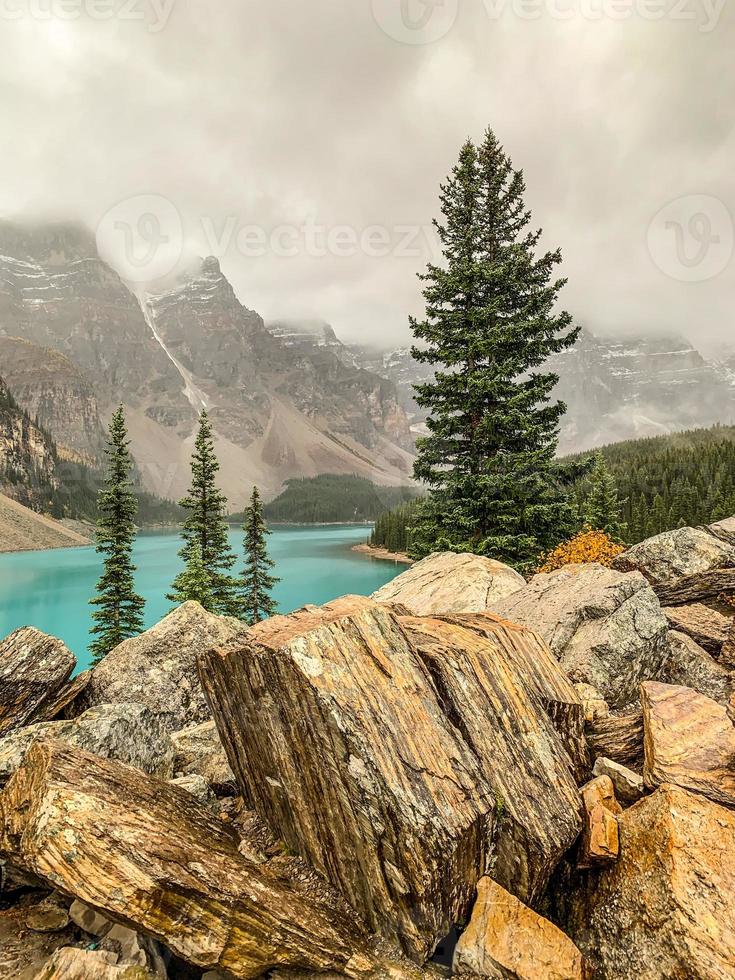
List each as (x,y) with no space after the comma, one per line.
(587,546)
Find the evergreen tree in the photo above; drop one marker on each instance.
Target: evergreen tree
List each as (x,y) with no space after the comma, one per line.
(119,612)
(257,580)
(490,323)
(205,528)
(602,508)
(194,582)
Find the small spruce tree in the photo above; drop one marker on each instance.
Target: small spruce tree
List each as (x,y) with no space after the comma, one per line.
(490,324)
(257,581)
(119,612)
(205,529)
(193,584)
(602,509)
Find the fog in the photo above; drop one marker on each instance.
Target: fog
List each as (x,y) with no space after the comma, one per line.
(304,142)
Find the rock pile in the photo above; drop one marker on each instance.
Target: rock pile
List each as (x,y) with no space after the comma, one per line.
(523,780)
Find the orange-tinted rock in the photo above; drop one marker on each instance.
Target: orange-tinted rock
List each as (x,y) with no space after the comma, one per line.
(401,755)
(689,740)
(599,841)
(506,939)
(705,626)
(664,909)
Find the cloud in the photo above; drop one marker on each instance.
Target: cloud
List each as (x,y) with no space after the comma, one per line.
(311,124)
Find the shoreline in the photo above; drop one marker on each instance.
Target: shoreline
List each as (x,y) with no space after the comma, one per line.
(382,554)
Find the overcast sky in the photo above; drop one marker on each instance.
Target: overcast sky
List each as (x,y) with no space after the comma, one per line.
(304,140)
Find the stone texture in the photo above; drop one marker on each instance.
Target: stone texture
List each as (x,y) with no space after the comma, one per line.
(198,751)
(23,951)
(506,939)
(605,627)
(629,786)
(664,909)
(33,668)
(450,583)
(129,733)
(691,666)
(146,854)
(196,785)
(689,741)
(87,964)
(707,627)
(599,843)
(158,668)
(619,737)
(50,915)
(428,743)
(701,587)
(676,554)
(724,530)
(594,705)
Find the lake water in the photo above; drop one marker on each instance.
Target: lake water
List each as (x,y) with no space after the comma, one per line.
(51,589)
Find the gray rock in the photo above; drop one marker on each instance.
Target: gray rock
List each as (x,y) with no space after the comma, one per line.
(449,583)
(628,784)
(605,627)
(159,667)
(691,666)
(676,554)
(50,915)
(724,530)
(198,751)
(196,785)
(129,733)
(33,669)
(88,919)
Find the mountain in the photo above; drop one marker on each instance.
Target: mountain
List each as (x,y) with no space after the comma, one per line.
(278,410)
(27,455)
(614,389)
(54,391)
(22,529)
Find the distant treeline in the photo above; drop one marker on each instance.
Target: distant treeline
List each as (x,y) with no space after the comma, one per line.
(685,479)
(331,498)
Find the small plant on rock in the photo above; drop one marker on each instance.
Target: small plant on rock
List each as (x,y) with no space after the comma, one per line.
(586,547)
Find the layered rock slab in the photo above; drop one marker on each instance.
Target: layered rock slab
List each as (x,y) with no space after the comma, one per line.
(689,740)
(605,627)
(159,668)
(402,757)
(664,909)
(689,665)
(451,583)
(151,857)
(506,939)
(34,667)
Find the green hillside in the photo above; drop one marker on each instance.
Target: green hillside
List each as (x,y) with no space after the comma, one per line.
(331,498)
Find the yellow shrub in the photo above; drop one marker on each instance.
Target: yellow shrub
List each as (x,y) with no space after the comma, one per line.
(587,546)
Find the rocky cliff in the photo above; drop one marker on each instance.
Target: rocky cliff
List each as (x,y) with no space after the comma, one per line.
(28,459)
(279,411)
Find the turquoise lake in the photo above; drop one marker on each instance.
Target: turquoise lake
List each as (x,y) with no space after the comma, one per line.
(51,589)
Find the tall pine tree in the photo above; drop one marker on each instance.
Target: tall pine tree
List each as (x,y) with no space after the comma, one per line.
(193,583)
(602,508)
(205,531)
(119,612)
(258,583)
(490,324)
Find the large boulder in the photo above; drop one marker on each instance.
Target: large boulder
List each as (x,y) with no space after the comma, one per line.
(724,530)
(71,963)
(34,667)
(676,554)
(506,939)
(129,733)
(689,740)
(451,583)
(691,666)
(149,856)
(426,742)
(605,627)
(664,909)
(159,667)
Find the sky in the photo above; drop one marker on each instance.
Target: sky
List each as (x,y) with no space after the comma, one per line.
(303,142)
